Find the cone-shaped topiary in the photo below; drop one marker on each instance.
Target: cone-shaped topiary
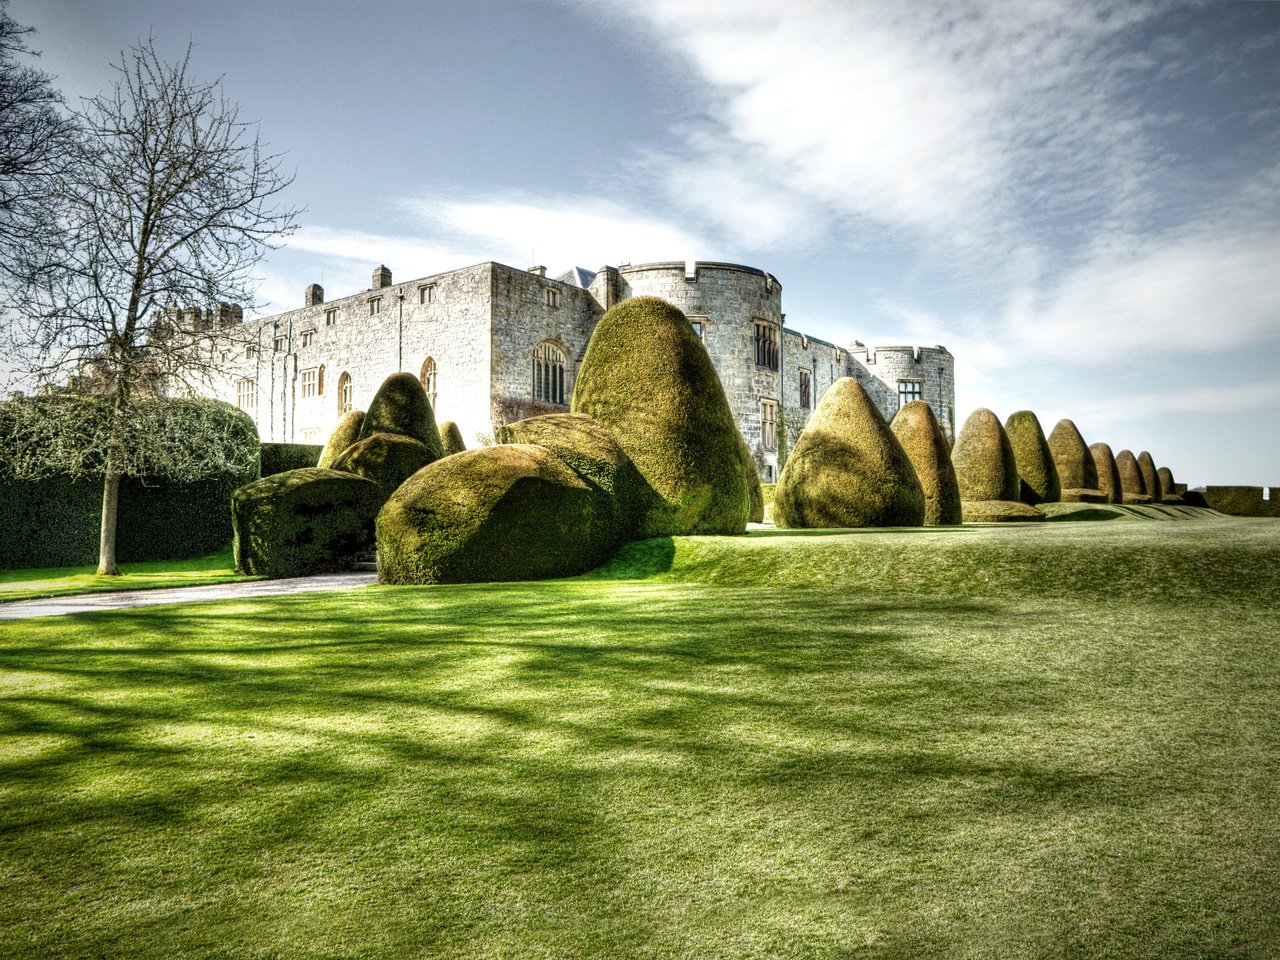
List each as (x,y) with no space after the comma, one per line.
(344,435)
(388,459)
(451,438)
(1132,487)
(302,521)
(1168,489)
(847,469)
(401,406)
(921,437)
(590,450)
(1150,476)
(1077,473)
(1104,462)
(988,473)
(755,494)
(1037,475)
(507,512)
(647,377)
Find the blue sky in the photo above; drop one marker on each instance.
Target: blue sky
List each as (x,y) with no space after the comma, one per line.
(1081,201)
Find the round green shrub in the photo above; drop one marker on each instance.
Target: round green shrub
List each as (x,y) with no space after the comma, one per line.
(388,459)
(303,521)
(1104,462)
(591,451)
(279,457)
(1077,473)
(1038,477)
(847,469)
(1150,477)
(344,435)
(926,447)
(1168,488)
(507,512)
(988,473)
(451,438)
(401,406)
(1133,488)
(755,494)
(647,377)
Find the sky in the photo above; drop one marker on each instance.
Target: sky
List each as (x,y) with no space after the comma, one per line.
(1081,201)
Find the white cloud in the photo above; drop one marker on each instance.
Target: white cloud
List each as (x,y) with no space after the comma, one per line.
(1237,398)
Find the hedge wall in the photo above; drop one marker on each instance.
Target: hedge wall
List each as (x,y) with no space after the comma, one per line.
(282,457)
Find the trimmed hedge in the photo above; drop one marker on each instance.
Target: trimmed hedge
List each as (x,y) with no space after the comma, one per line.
(1150,477)
(501,513)
(190,454)
(1037,475)
(647,377)
(755,495)
(304,521)
(388,459)
(1168,487)
(451,438)
(344,435)
(848,469)
(401,406)
(1104,462)
(282,457)
(1077,473)
(918,431)
(988,473)
(1133,488)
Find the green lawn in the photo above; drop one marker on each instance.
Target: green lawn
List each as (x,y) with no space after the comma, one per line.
(62,581)
(1057,740)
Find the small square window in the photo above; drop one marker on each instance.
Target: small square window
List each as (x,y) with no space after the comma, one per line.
(308,337)
(309,383)
(246,393)
(427,294)
(908,390)
(375,306)
(250,352)
(279,344)
(331,318)
(553,297)
(311,435)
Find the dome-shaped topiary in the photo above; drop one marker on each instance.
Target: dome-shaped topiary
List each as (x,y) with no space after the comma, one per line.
(921,437)
(451,438)
(388,459)
(847,469)
(591,451)
(1168,488)
(344,435)
(302,521)
(1150,477)
(1036,472)
(1132,487)
(755,494)
(401,406)
(647,377)
(507,512)
(1077,473)
(1104,462)
(988,473)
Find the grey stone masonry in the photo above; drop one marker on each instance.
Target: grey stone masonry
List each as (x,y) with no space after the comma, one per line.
(492,343)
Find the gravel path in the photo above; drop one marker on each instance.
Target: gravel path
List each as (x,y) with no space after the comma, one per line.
(93,602)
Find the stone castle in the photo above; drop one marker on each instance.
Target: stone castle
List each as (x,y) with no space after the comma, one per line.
(492,344)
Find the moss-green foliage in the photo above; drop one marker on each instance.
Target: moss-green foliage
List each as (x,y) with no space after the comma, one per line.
(1132,486)
(1150,476)
(1104,463)
(279,457)
(303,521)
(999,511)
(451,438)
(847,469)
(1237,501)
(388,459)
(1036,471)
(590,450)
(1077,473)
(921,437)
(401,406)
(984,461)
(648,378)
(344,435)
(507,512)
(1168,488)
(755,495)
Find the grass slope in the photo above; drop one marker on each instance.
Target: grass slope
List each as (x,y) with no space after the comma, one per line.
(29,584)
(1057,740)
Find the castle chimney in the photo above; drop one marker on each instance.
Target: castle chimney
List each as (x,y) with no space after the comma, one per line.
(538,271)
(381,277)
(313,296)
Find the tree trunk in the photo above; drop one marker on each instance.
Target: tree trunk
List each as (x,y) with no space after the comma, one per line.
(107,536)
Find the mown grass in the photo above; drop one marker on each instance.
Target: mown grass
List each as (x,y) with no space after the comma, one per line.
(1061,741)
(28,584)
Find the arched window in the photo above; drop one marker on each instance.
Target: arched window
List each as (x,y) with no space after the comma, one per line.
(428,378)
(320,380)
(548,373)
(344,394)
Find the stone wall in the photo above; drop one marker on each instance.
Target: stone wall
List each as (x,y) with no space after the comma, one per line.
(880,369)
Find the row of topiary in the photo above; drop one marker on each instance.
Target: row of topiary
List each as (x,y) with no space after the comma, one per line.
(650,448)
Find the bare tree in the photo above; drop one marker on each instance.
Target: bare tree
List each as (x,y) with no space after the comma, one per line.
(36,138)
(168,205)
